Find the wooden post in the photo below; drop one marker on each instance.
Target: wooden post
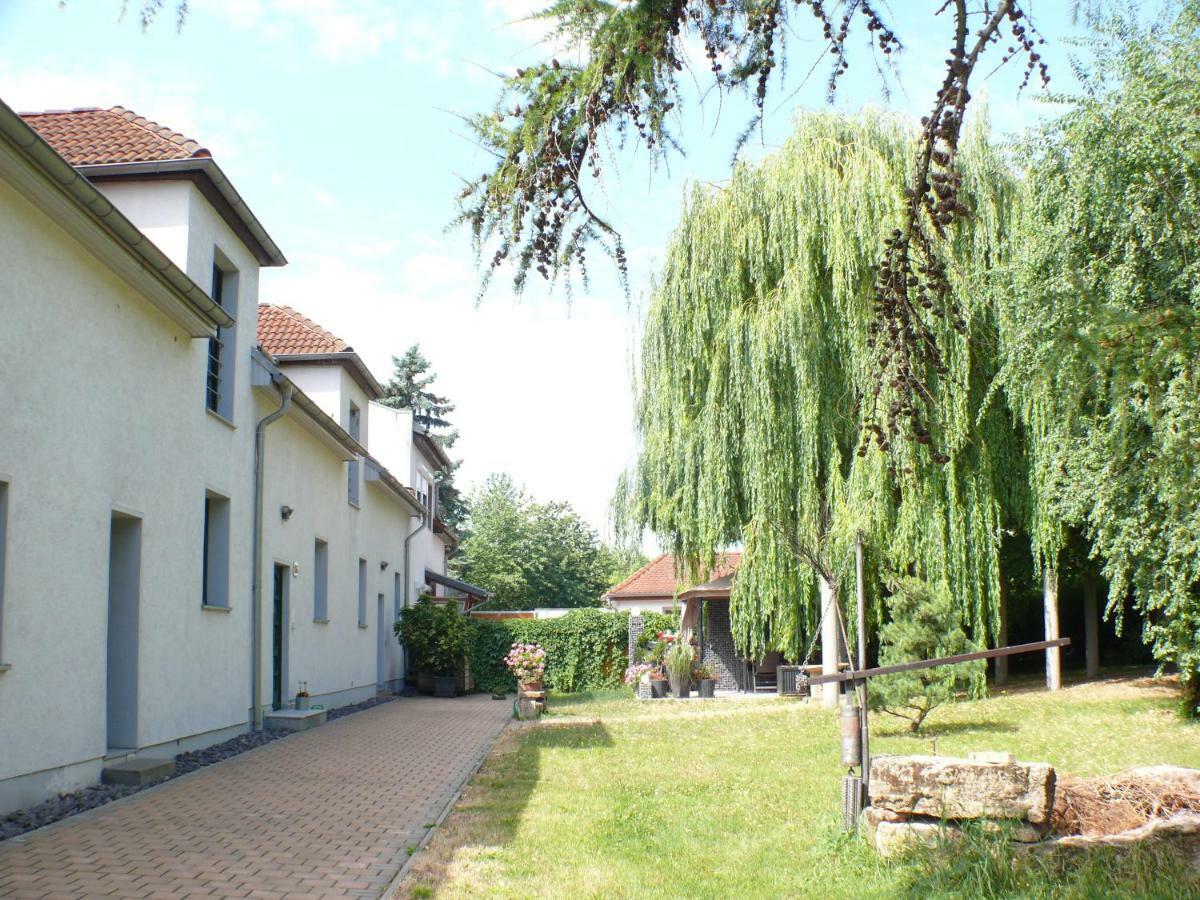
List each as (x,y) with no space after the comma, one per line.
(1091,626)
(1001,676)
(1050,609)
(830,641)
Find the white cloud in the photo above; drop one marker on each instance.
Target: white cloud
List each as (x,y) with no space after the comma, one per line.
(339,30)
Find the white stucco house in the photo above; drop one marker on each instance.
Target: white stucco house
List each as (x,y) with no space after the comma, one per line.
(191,527)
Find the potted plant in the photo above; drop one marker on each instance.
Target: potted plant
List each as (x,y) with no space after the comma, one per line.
(706,678)
(658,683)
(302,696)
(448,647)
(527,662)
(678,660)
(414,629)
(637,675)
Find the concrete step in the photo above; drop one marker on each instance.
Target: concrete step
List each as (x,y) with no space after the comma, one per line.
(294,719)
(138,771)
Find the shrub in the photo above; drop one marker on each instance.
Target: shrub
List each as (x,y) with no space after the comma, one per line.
(436,638)
(924,625)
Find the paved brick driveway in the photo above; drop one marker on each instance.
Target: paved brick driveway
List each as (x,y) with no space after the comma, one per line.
(325,813)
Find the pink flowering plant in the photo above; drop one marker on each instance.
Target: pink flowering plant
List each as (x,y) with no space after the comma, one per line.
(636,673)
(527,662)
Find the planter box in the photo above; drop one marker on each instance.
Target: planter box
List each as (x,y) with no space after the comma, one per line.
(445,686)
(658,688)
(707,686)
(425,684)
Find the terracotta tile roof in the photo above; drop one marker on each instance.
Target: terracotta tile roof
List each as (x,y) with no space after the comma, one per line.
(284,332)
(657,578)
(91,137)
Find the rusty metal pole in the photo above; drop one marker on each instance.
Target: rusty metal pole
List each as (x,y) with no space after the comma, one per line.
(862,660)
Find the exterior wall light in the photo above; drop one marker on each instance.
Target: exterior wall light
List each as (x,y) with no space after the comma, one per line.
(383,566)
(285,512)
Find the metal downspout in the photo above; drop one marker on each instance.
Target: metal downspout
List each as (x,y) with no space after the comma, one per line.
(285,389)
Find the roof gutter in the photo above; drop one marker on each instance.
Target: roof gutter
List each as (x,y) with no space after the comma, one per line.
(84,195)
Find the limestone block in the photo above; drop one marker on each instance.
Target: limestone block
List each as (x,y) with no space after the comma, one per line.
(953,788)
(895,838)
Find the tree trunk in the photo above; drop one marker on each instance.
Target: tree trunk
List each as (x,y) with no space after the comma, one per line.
(1091,626)
(1050,605)
(830,642)
(1001,672)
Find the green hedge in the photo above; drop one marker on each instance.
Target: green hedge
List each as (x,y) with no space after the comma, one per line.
(585,650)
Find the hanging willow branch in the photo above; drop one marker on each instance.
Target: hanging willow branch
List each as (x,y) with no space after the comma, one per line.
(555,123)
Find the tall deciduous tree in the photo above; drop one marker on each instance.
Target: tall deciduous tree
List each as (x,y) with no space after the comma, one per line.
(758,355)
(1100,321)
(531,554)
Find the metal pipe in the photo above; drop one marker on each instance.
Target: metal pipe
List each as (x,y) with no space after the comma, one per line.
(864,728)
(285,389)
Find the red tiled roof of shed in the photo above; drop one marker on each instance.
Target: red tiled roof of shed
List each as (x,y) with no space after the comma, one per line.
(657,578)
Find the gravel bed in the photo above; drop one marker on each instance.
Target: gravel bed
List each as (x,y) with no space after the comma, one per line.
(96,795)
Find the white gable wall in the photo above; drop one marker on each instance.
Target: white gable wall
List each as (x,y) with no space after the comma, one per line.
(103,411)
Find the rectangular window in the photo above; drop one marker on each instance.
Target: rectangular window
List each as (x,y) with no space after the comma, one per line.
(321,581)
(218,385)
(362,593)
(3,545)
(215,574)
(354,427)
(397,594)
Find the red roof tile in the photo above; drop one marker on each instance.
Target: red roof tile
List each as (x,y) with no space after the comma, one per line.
(91,137)
(657,578)
(284,332)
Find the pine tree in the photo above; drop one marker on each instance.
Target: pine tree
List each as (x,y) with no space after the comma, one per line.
(410,387)
(924,625)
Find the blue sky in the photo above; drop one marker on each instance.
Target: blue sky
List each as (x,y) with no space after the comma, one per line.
(336,119)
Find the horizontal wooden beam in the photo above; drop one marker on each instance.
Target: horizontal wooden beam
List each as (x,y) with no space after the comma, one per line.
(864,674)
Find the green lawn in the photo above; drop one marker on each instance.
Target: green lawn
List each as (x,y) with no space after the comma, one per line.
(618,798)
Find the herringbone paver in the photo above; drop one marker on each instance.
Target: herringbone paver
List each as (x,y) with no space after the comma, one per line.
(324,813)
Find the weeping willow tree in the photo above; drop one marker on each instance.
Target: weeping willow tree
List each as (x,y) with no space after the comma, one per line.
(1099,311)
(757,361)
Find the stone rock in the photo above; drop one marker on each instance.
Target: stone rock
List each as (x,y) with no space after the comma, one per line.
(1181,830)
(896,838)
(953,788)
(992,756)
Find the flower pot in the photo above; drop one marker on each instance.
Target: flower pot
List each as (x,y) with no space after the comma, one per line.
(425,684)
(681,687)
(658,688)
(445,686)
(530,686)
(302,702)
(707,686)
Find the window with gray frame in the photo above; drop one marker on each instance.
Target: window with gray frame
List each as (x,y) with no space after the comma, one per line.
(354,427)
(215,566)
(397,594)
(362,593)
(321,581)
(222,349)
